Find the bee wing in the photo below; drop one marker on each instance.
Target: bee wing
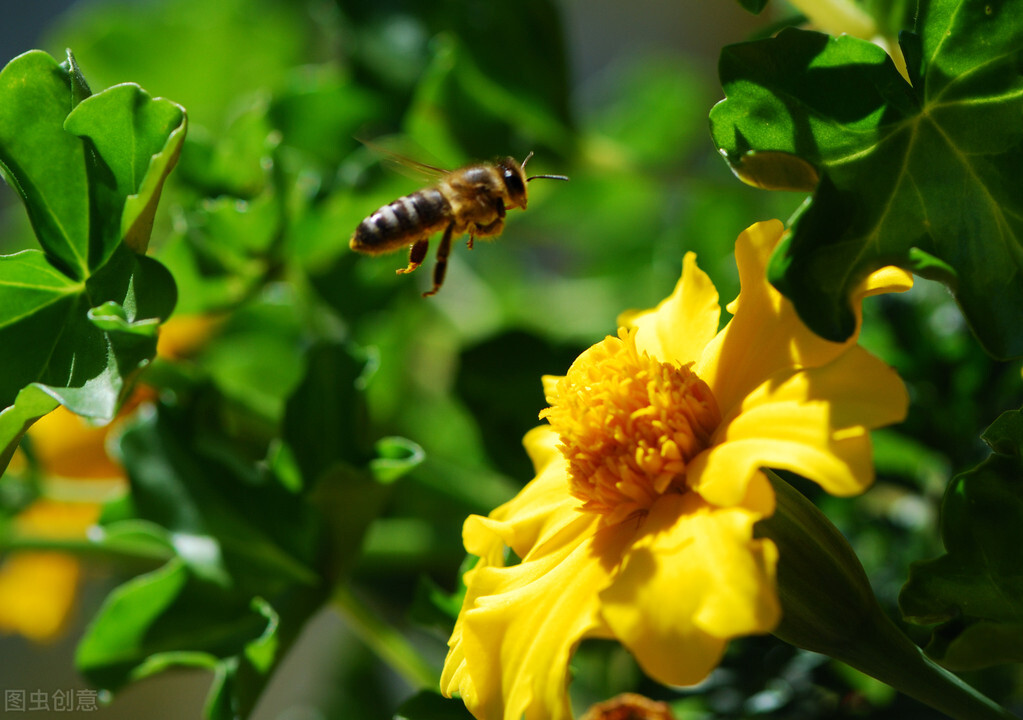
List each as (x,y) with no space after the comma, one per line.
(404,164)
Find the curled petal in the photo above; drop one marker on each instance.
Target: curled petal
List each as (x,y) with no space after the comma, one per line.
(766,336)
(680,327)
(693,579)
(814,422)
(541,443)
(520,625)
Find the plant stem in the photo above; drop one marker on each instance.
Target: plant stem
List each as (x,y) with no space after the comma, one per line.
(390,645)
(83,547)
(829,607)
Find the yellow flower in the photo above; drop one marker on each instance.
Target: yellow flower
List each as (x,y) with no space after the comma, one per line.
(639,524)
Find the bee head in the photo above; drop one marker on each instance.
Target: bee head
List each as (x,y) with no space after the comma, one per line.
(514,176)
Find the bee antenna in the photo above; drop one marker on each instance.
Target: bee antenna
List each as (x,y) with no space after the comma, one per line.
(548,177)
(534,177)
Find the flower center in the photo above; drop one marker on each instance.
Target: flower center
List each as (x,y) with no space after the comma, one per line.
(629,425)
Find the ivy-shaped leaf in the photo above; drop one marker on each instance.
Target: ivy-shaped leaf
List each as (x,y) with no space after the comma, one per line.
(78,317)
(974,593)
(923,174)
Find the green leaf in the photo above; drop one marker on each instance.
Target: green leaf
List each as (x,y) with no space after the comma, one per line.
(79,87)
(233,524)
(240,679)
(111,317)
(138,139)
(257,357)
(78,318)
(133,538)
(30,405)
(395,457)
(52,340)
(164,618)
(90,367)
(907,172)
(974,592)
(244,573)
(42,162)
(35,300)
(325,421)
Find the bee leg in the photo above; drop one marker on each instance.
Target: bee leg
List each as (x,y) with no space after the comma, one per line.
(493,228)
(443,250)
(472,237)
(415,256)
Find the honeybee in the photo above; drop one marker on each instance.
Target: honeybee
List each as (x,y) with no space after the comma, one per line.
(471,200)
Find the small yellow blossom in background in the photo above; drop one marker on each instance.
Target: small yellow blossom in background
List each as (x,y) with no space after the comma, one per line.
(37,589)
(184,335)
(639,524)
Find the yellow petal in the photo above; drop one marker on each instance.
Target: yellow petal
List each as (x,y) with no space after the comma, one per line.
(680,327)
(184,335)
(693,579)
(883,280)
(766,336)
(815,422)
(520,625)
(549,384)
(541,509)
(36,593)
(37,589)
(541,443)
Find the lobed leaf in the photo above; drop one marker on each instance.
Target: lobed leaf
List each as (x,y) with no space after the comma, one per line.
(974,592)
(919,174)
(139,140)
(44,164)
(78,317)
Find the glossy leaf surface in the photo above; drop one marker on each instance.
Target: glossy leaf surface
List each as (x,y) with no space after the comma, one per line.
(78,317)
(921,173)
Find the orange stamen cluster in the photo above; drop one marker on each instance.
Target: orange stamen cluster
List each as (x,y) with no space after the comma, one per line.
(629,425)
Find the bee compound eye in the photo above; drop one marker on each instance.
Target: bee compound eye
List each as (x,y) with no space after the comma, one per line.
(513,181)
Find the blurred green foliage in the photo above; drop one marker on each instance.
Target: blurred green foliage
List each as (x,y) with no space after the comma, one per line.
(339,427)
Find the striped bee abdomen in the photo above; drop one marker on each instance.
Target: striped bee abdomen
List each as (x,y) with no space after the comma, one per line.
(402,222)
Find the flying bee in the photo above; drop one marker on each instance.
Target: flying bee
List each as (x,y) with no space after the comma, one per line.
(473,200)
